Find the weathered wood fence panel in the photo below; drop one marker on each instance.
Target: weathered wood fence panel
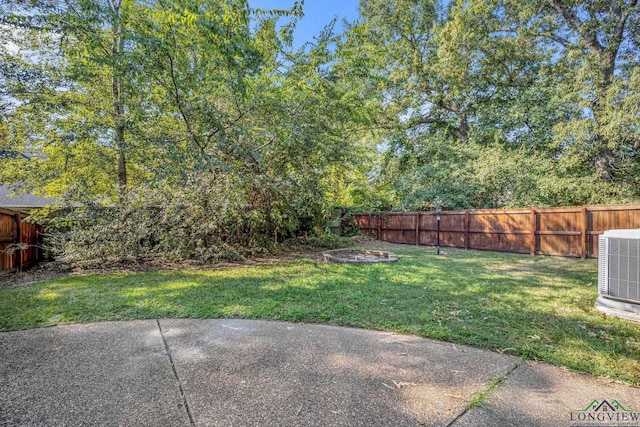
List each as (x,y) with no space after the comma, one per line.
(19,241)
(566,231)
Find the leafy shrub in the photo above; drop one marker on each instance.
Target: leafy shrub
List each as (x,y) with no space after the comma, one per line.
(330,241)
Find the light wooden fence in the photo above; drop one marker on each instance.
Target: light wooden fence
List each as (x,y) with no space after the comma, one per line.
(566,231)
(19,241)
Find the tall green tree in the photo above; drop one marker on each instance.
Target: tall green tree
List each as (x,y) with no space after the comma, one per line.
(599,42)
(214,121)
(466,88)
(73,110)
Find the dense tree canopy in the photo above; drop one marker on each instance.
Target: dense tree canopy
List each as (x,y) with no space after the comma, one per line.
(204,111)
(200,105)
(497,103)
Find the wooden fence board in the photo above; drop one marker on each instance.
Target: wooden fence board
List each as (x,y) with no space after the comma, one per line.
(564,231)
(13,231)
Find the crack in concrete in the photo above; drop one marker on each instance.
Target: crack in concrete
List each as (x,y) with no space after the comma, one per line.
(175,373)
(482,396)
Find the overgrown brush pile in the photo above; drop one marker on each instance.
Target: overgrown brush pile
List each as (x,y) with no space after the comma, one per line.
(207,220)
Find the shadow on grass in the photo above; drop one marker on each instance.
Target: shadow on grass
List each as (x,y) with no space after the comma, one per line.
(508,303)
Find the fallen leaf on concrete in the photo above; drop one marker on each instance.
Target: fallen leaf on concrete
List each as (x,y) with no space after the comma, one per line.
(403,384)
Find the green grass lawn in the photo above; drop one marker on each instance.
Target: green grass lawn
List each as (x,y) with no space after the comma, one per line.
(538,307)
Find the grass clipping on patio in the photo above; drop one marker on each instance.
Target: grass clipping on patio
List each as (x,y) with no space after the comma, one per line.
(541,308)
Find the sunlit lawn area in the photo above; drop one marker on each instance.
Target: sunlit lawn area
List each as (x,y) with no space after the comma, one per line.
(538,307)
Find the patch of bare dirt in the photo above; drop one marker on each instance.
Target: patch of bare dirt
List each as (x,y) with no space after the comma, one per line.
(38,273)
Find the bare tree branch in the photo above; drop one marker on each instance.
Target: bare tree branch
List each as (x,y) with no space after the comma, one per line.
(587,37)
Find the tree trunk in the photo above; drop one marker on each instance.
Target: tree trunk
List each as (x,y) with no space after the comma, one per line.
(463,128)
(119,129)
(118,113)
(605,162)
(461,131)
(605,53)
(604,158)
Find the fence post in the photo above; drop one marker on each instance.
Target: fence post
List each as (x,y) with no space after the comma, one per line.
(417,216)
(534,229)
(379,226)
(17,240)
(583,232)
(466,229)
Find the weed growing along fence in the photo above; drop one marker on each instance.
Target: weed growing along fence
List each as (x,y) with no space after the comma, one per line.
(566,231)
(19,241)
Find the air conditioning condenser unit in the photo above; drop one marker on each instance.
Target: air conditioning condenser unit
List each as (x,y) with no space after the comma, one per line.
(619,273)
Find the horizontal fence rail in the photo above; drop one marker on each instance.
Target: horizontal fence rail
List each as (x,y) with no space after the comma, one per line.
(19,241)
(566,231)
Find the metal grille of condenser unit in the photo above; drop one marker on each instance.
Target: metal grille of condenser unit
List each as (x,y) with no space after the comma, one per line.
(619,268)
(603,261)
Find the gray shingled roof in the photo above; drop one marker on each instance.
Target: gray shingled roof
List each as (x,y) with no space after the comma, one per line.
(21,200)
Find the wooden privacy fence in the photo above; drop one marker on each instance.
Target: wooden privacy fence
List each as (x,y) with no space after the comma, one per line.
(566,231)
(19,241)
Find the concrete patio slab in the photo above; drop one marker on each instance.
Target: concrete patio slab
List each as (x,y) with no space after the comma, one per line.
(257,373)
(101,374)
(250,373)
(539,395)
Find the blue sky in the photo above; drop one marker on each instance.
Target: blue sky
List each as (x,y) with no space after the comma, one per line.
(317,14)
